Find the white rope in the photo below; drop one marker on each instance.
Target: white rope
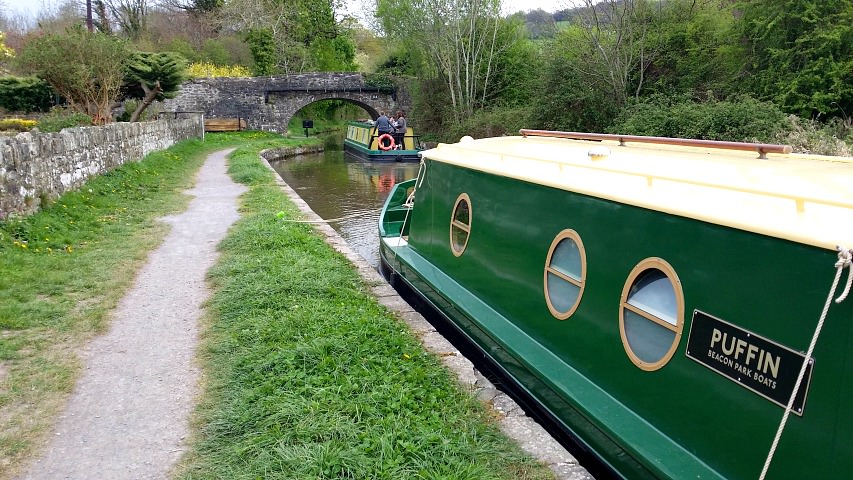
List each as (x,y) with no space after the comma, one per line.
(844,260)
(410,201)
(333,220)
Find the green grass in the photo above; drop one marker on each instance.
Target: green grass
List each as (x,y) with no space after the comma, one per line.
(308,377)
(63,269)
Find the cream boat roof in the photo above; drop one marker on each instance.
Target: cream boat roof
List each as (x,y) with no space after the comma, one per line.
(803,198)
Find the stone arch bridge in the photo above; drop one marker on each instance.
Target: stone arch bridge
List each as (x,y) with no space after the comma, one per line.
(268,103)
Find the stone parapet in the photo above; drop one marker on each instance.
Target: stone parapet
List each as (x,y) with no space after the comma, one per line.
(39,166)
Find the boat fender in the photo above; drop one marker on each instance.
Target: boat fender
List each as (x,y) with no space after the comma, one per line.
(385,146)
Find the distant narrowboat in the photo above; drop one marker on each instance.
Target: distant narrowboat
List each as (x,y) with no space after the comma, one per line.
(661,298)
(364,143)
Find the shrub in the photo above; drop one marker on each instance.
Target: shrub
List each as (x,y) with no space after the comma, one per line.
(206,70)
(60,118)
(738,119)
(809,136)
(27,94)
(490,123)
(17,124)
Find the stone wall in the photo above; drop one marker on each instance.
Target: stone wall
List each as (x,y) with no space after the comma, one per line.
(35,166)
(268,103)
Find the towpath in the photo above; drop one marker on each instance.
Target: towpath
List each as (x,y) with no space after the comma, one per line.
(128,417)
(129,414)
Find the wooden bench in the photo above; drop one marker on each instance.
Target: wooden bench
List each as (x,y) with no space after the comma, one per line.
(224,124)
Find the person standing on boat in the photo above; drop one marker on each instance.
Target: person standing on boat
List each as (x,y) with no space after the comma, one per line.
(400,129)
(383,124)
(384,127)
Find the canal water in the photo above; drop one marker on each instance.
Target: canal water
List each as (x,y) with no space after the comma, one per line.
(348,194)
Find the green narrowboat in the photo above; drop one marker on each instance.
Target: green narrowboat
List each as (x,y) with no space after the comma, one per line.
(363,142)
(664,299)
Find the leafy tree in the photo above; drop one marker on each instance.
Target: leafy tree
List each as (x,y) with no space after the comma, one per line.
(456,41)
(566,99)
(195,6)
(616,45)
(287,34)
(130,15)
(802,54)
(6,53)
(334,55)
(86,69)
(262,45)
(698,49)
(540,24)
(153,76)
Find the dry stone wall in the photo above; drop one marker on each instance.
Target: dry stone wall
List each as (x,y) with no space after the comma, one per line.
(36,166)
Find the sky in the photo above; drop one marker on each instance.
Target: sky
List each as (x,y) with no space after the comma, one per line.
(31,7)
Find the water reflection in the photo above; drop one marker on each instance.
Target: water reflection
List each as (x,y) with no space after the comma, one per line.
(347,192)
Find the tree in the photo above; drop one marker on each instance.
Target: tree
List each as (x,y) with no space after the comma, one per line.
(195,6)
(457,40)
(297,28)
(129,14)
(616,40)
(87,69)
(6,53)
(153,76)
(540,24)
(802,54)
(698,50)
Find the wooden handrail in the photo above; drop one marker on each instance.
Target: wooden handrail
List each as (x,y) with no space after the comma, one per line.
(762,148)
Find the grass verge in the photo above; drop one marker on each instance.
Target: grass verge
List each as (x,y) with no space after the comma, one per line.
(308,377)
(64,269)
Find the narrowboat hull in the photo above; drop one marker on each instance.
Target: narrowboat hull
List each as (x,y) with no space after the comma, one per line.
(748,304)
(362,143)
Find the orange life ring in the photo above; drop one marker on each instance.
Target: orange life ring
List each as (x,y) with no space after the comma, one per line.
(382,145)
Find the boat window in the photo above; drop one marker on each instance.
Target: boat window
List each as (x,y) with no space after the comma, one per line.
(651,315)
(565,273)
(460,224)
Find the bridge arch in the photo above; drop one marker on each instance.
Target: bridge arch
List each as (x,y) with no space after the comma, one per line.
(268,103)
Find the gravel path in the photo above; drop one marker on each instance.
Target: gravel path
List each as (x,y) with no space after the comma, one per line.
(129,414)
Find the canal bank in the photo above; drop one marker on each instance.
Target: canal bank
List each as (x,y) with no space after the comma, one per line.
(304,373)
(511,419)
(311,376)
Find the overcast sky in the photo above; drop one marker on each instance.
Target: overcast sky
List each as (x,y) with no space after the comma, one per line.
(31,7)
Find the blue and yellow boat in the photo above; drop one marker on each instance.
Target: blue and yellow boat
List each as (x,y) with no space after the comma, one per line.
(365,143)
(671,303)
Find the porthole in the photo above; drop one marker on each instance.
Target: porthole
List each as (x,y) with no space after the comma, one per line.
(565,273)
(651,314)
(460,224)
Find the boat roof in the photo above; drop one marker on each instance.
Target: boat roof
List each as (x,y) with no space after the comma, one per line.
(803,198)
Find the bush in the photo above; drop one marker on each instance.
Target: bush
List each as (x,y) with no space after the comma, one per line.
(28,94)
(741,119)
(17,124)
(809,136)
(495,122)
(207,70)
(60,118)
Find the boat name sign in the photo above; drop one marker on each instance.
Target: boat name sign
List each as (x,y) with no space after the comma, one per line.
(754,362)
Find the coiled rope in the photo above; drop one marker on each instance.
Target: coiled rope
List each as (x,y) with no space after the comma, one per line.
(844,261)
